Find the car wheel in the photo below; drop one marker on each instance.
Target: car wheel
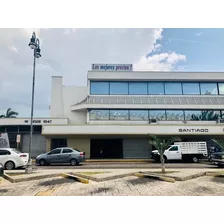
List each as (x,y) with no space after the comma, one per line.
(9,165)
(73,162)
(42,162)
(195,159)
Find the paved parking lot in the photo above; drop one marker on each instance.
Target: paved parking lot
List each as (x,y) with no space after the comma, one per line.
(129,186)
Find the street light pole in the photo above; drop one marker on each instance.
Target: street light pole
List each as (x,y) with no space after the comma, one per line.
(34,44)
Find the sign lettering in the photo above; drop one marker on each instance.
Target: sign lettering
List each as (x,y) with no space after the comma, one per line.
(39,121)
(193,130)
(110,67)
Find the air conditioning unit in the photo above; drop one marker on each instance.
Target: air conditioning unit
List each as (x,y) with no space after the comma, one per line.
(152,121)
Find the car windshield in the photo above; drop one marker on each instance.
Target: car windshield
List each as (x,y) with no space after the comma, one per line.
(16,151)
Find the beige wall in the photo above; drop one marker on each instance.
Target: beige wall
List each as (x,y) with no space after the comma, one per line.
(48,144)
(81,143)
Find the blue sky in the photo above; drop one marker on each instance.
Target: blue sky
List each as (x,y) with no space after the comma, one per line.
(203,48)
(70,53)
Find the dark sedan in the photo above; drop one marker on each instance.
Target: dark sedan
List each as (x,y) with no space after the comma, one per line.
(61,156)
(217,158)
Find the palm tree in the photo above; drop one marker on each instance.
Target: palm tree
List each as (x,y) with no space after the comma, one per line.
(9,114)
(161,145)
(205,116)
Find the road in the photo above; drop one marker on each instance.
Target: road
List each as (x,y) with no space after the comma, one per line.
(130,166)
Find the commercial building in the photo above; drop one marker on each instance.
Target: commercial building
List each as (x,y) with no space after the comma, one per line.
(113,115)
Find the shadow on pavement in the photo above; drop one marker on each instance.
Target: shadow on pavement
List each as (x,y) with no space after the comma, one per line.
(139,180)
(3,190)
(101,190)
(218,180)
(56,182)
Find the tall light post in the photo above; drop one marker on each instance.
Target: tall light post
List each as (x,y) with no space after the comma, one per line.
(35,46)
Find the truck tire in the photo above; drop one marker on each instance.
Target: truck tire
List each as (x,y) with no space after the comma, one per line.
(195,159)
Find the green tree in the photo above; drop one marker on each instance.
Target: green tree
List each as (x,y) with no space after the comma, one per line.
(219,142)
(205,116)
(161,145)
(9,114)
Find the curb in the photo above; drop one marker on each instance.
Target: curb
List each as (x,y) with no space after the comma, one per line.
(76,178)
(22,179)
(157,177)
(104,178)
(215,174)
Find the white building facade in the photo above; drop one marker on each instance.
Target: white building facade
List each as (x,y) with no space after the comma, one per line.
(113,115)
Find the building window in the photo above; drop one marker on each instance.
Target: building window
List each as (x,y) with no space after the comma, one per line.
(221,88)
(191,88)
(58,142)
(175,115)
(119,88)
(210,115)
(156,88)
(138,88)
(173,88)
(99,115)
(119,115)
(139,115)
(222,114)
(192,115)
(157,114)
(99,88)
(209,88)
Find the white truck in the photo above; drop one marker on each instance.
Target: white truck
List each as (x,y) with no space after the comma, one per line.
(186,151)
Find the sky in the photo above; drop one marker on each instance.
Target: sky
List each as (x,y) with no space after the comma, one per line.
(70,53)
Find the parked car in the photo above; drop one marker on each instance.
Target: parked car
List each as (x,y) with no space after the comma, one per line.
(11,158)
(192,151)
(217,158)
(61,155)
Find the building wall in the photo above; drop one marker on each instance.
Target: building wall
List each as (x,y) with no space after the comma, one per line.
(81,143)
(63,97)
(156,76)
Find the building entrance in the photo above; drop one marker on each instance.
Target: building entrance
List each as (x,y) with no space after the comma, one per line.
(106,148)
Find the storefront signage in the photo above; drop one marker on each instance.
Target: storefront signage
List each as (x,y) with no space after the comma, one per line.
(112,67)
(39,121)
(193,130)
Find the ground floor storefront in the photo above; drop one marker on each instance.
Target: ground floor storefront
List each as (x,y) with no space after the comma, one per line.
(115,147)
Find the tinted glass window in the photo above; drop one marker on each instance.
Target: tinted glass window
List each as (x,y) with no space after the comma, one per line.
(209,88)
(173,88)
(12,129)
(156,88)
(4,152)
(67,151)
(191,88)
(157,114)
(138,88)
(99,88)
(55,151)
(175,115)
(139,115)
(209,115)
(119,115)
(118,88)
(221,88)
(192,115)
(99,115)
(222,114)
(174,148)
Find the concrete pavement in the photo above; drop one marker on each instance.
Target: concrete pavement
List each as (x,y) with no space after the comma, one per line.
(127,186)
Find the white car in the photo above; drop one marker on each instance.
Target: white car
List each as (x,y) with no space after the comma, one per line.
(11,158)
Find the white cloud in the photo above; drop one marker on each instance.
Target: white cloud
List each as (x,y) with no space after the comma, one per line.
(70,53)
(199,34)
(159,62)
